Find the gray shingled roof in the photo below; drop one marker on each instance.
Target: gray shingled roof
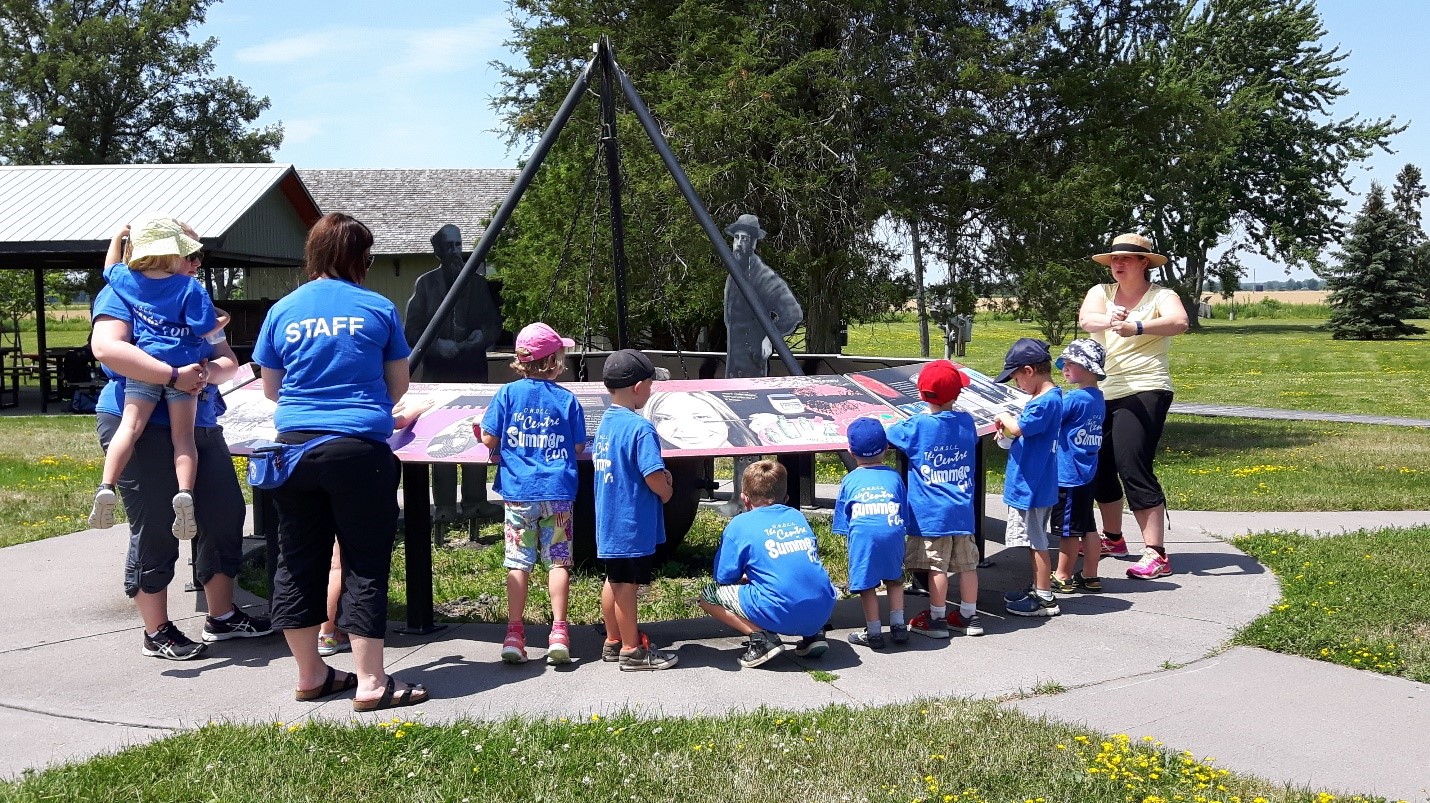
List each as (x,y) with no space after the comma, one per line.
(404,208)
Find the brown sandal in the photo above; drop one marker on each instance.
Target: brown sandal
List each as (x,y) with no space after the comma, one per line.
(330,687)
(412,695)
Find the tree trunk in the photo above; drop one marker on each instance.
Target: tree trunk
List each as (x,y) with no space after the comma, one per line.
(822,309)
(918,249)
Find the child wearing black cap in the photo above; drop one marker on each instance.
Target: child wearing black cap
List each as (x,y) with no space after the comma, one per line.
(873,513)
(1030,486)
(631,484)
(940,445)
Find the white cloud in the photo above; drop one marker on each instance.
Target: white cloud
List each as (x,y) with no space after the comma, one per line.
(292,49)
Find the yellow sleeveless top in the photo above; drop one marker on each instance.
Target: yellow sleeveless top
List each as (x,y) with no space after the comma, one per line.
(1138,363)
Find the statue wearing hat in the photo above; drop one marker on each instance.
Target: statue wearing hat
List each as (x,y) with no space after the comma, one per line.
(749,348)
(457,354)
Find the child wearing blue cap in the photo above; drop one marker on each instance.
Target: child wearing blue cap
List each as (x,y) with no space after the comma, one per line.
(873,513)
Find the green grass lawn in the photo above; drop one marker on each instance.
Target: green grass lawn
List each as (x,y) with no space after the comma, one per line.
(1358,599)
(1288,363)
(936,751)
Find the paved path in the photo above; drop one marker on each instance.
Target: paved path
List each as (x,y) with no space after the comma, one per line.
(1238,411)
(76,684)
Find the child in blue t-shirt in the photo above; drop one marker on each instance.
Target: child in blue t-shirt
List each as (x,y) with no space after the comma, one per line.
(172,317)
(940,446)
(872,511)
(1079,440)
(1030,485)
(533,430)
(631,484)
(768,577)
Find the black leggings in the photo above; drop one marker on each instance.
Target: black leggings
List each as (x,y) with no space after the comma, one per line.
(344,489)
(1130,433)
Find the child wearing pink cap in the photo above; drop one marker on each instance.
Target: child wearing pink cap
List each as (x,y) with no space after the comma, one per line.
(534,428)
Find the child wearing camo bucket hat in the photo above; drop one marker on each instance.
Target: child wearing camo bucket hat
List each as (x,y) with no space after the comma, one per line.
(1079,440)
(173,317)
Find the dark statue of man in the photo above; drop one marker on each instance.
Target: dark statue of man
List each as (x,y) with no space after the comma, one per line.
(458,354)
(749,348)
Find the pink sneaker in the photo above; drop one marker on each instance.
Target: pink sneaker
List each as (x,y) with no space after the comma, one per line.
(1150,566)
(513,649)
(1114,547)
(558,648)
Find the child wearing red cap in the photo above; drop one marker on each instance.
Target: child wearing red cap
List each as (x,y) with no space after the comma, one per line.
(534,428)
(940,446)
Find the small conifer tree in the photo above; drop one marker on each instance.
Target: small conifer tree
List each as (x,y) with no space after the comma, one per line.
(1373,286)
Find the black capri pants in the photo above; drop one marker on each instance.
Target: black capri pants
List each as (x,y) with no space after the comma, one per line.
(147,488)
(345,489)
(1130,433)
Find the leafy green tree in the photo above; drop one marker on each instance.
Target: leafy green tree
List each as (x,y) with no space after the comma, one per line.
(1247,153)
(1371,287)
(778,110)
(115,81)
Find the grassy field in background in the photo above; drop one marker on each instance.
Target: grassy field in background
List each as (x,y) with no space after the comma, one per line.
(1287,363)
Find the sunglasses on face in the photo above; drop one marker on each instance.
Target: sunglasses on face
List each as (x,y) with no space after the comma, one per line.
(197,256)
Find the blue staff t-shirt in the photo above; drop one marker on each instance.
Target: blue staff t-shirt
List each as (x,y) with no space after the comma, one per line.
(331,338)
(539,424)
(1031,480)
(111,397)
(940,449)
(1080,436)
(873,512)
(773,548)
(630,520)
(170,315)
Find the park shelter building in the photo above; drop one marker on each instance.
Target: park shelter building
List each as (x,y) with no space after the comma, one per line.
(404,208)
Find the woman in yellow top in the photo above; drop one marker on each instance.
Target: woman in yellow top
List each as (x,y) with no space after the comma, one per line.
(1134,320)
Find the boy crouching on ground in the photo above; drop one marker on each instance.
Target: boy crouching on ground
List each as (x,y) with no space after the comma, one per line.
(873,513)
(768,578)
(632,484)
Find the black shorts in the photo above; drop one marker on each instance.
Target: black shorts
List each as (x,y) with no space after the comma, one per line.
(1072,515)
(630,570)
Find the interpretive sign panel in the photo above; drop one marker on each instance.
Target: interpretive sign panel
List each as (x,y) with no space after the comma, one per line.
(983,398)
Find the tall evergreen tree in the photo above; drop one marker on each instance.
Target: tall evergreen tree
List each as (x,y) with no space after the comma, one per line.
(1371,287)
(1408,194)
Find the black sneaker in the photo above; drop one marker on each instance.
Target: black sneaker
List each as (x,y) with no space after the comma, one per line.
(1068,586)
(1091,585)
(899,634)
(171,643)
(240,625)
(811,646)
(763,646)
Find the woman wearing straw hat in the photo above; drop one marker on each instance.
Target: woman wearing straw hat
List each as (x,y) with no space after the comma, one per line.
(1134,321)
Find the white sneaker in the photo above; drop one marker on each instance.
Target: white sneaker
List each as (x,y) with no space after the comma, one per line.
(185,526)
(101,515)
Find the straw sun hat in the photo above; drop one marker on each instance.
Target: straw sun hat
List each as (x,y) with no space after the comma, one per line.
(1134,244)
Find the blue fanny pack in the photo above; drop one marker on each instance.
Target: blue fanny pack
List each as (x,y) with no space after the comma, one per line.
(271,464)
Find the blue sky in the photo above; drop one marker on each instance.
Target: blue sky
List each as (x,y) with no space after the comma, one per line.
(379,84)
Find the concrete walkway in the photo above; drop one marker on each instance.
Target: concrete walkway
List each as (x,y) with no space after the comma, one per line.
(1145,658)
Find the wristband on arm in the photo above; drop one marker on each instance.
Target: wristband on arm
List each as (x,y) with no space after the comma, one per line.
(173,376)
(1139,327)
